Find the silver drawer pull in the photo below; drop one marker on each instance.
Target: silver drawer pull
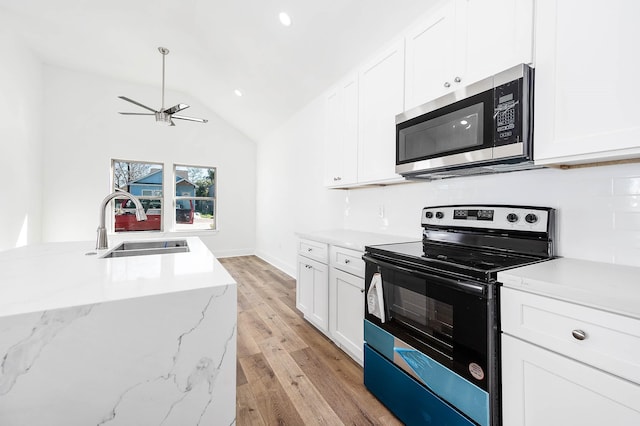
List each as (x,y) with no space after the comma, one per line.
(309,249)
(347,261)
(579,334)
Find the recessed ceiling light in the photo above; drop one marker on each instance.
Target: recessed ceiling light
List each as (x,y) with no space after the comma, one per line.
(285,19)
(237,92)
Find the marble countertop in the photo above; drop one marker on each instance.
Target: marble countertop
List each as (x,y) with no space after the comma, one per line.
(355,240)
(609,287)
(59,275)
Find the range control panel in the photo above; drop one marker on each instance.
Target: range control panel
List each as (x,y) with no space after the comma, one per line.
(519,218)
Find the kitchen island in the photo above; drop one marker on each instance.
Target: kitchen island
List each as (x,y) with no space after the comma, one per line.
(142,340)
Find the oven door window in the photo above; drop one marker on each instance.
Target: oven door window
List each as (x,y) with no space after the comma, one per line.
(434,318)
(429,311)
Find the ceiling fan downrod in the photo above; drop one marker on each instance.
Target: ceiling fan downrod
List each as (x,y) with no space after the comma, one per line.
(164,52)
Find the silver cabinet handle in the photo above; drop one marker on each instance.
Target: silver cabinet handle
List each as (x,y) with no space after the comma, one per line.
(579,334)
(447,84)
(457,79)
(309,249)
(347,261)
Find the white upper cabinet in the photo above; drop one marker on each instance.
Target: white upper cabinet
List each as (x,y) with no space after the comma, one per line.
(586,107)
(430,56)
(498,35)
(464,41)
(341,138)
(381,98)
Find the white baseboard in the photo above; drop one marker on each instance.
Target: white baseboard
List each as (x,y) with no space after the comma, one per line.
(233,253)
(287,269)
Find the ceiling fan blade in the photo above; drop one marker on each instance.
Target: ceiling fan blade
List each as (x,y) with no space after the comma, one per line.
(136,103)
(136,113)
(176,108)
(182,117)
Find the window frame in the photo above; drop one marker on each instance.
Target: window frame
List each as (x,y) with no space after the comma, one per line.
(213,199)
(159,195)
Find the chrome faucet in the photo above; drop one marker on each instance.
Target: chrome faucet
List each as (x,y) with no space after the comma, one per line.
(101,242)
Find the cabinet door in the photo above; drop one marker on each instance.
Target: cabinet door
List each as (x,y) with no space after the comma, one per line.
(381,95)
(347,312)
(430,57)
(304,286)
(341,134)
(312,292)
(497,35)
(586,106)
(542,388)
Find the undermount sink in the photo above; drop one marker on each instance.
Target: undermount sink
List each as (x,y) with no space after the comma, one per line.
(145,248)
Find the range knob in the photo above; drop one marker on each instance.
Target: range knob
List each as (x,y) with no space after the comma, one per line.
(428,215)
(439,215)
(512,217)
(531,218)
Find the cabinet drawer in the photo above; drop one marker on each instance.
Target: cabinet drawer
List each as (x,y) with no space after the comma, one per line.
(314,250)
(347,260)
(610,342)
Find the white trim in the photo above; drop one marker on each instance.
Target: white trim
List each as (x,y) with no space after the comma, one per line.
(232,253)
(287,269)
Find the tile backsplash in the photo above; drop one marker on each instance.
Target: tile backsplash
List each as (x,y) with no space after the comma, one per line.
(598,208)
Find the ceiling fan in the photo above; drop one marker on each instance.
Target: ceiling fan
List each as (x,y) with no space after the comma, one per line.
(163,116)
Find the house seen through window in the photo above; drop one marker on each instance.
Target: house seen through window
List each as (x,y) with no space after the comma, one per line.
(144,180)
(194,188)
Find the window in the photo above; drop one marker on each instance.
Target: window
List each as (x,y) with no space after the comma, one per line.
(195,189)
(144,180)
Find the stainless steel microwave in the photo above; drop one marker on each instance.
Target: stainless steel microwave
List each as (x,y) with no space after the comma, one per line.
(486,127)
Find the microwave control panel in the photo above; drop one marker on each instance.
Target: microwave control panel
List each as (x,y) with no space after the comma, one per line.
(507,113)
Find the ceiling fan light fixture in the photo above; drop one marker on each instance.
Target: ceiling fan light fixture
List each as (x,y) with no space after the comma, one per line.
(163,119)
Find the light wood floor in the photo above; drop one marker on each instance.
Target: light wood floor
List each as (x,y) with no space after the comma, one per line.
(288,372)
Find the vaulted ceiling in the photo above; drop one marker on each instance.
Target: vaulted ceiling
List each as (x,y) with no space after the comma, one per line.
(216,46)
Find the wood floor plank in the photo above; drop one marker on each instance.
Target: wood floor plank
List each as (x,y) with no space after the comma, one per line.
(289,373)
(276,408)
(351,392)
(247,411)
(253,330)
(286,336)
(311,405)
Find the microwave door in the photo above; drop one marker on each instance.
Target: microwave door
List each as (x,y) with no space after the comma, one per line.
(452,136)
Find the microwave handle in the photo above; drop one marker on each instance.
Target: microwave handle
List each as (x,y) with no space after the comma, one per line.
(460,285)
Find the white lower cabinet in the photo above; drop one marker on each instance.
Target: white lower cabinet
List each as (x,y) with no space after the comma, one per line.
(347,312)
(312,285)
(567,364)
(543,388)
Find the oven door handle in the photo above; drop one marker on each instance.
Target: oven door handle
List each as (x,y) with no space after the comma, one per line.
(469,287)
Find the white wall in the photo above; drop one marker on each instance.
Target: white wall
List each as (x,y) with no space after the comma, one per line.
(84,132)
(289,195)
(21,96)
(598,207)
